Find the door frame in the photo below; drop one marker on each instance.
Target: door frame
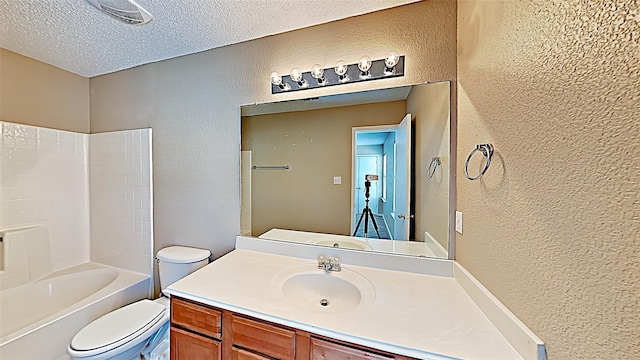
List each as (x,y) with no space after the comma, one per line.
(354,131)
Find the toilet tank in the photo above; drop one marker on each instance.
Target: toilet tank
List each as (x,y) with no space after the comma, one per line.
(176,262)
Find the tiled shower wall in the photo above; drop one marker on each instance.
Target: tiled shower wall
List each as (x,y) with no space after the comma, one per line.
(44,181)
(121,202)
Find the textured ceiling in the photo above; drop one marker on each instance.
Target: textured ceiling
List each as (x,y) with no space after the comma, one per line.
(77,37)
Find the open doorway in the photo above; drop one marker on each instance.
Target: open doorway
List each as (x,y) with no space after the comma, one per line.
(380,151)
(375,152)
(381,164)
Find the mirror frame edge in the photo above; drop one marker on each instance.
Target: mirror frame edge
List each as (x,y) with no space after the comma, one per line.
(453,160)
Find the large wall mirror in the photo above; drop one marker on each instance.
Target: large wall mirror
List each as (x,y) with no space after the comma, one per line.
(373,169)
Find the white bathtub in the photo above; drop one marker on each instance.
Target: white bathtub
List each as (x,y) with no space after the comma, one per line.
(38,320)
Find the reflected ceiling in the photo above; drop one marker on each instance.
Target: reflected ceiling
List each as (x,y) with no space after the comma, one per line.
(329,101)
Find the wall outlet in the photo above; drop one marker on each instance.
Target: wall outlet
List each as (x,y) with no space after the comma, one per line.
(459,222)
(337,180)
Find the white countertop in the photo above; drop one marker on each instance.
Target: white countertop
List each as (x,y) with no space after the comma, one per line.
(417,315)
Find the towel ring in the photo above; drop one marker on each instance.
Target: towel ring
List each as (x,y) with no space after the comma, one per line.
(487,151)
(435,161)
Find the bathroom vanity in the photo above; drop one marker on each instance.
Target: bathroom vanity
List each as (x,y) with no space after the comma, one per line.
(268,300)
(197,333)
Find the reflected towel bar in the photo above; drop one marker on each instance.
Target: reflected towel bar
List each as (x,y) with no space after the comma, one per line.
(270,167)
(433,165)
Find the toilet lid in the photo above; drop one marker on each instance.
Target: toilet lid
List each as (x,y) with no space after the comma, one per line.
(128,321)
(182,254)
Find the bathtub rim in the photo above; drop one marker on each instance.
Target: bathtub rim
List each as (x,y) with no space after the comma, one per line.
(124,279)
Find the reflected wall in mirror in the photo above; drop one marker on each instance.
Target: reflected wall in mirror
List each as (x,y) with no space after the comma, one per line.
(303,170)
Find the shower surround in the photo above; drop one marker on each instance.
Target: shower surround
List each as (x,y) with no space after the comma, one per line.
(92,193)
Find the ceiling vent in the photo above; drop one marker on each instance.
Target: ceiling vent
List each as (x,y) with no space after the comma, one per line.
(126,11)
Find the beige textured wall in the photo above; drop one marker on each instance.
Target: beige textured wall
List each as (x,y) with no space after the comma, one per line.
(316,144)
(429,105)
(553,227)
(193,104)
(35,93)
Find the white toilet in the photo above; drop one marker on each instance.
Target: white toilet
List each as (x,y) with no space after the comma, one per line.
(140,328)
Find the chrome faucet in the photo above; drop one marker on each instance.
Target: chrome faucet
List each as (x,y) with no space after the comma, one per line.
(329,264)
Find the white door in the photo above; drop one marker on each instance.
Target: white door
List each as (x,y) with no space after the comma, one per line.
(403,180)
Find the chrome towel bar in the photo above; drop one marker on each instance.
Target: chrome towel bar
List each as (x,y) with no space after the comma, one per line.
(270,167)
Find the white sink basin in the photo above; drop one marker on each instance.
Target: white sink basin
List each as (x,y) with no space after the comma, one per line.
(345,244)
(324,291)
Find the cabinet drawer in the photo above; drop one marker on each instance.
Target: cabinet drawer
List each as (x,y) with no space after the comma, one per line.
(189,346)
(239,354)
(199,318)
(321,350)
(264,338)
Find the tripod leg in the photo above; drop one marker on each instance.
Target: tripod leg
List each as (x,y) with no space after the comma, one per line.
(358,226)
(373,220)
(366,223)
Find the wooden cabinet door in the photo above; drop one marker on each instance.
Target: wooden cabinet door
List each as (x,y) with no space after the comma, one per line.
(196,317)
(239,354)
(264,338)
(190,346)
(326,350)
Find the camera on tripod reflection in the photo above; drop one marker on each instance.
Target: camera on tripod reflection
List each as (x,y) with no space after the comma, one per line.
(366,212)
(367,183)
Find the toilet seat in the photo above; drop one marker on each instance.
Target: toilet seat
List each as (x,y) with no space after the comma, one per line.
(118,328)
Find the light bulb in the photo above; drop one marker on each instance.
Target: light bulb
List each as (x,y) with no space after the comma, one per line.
(392,59)
(276,79)
(364,65)
(317,71)
(341,70)
(296,75)
(390,62)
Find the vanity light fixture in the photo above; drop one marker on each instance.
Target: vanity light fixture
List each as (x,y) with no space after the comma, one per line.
(296,75)
(276,80)
(343,73)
